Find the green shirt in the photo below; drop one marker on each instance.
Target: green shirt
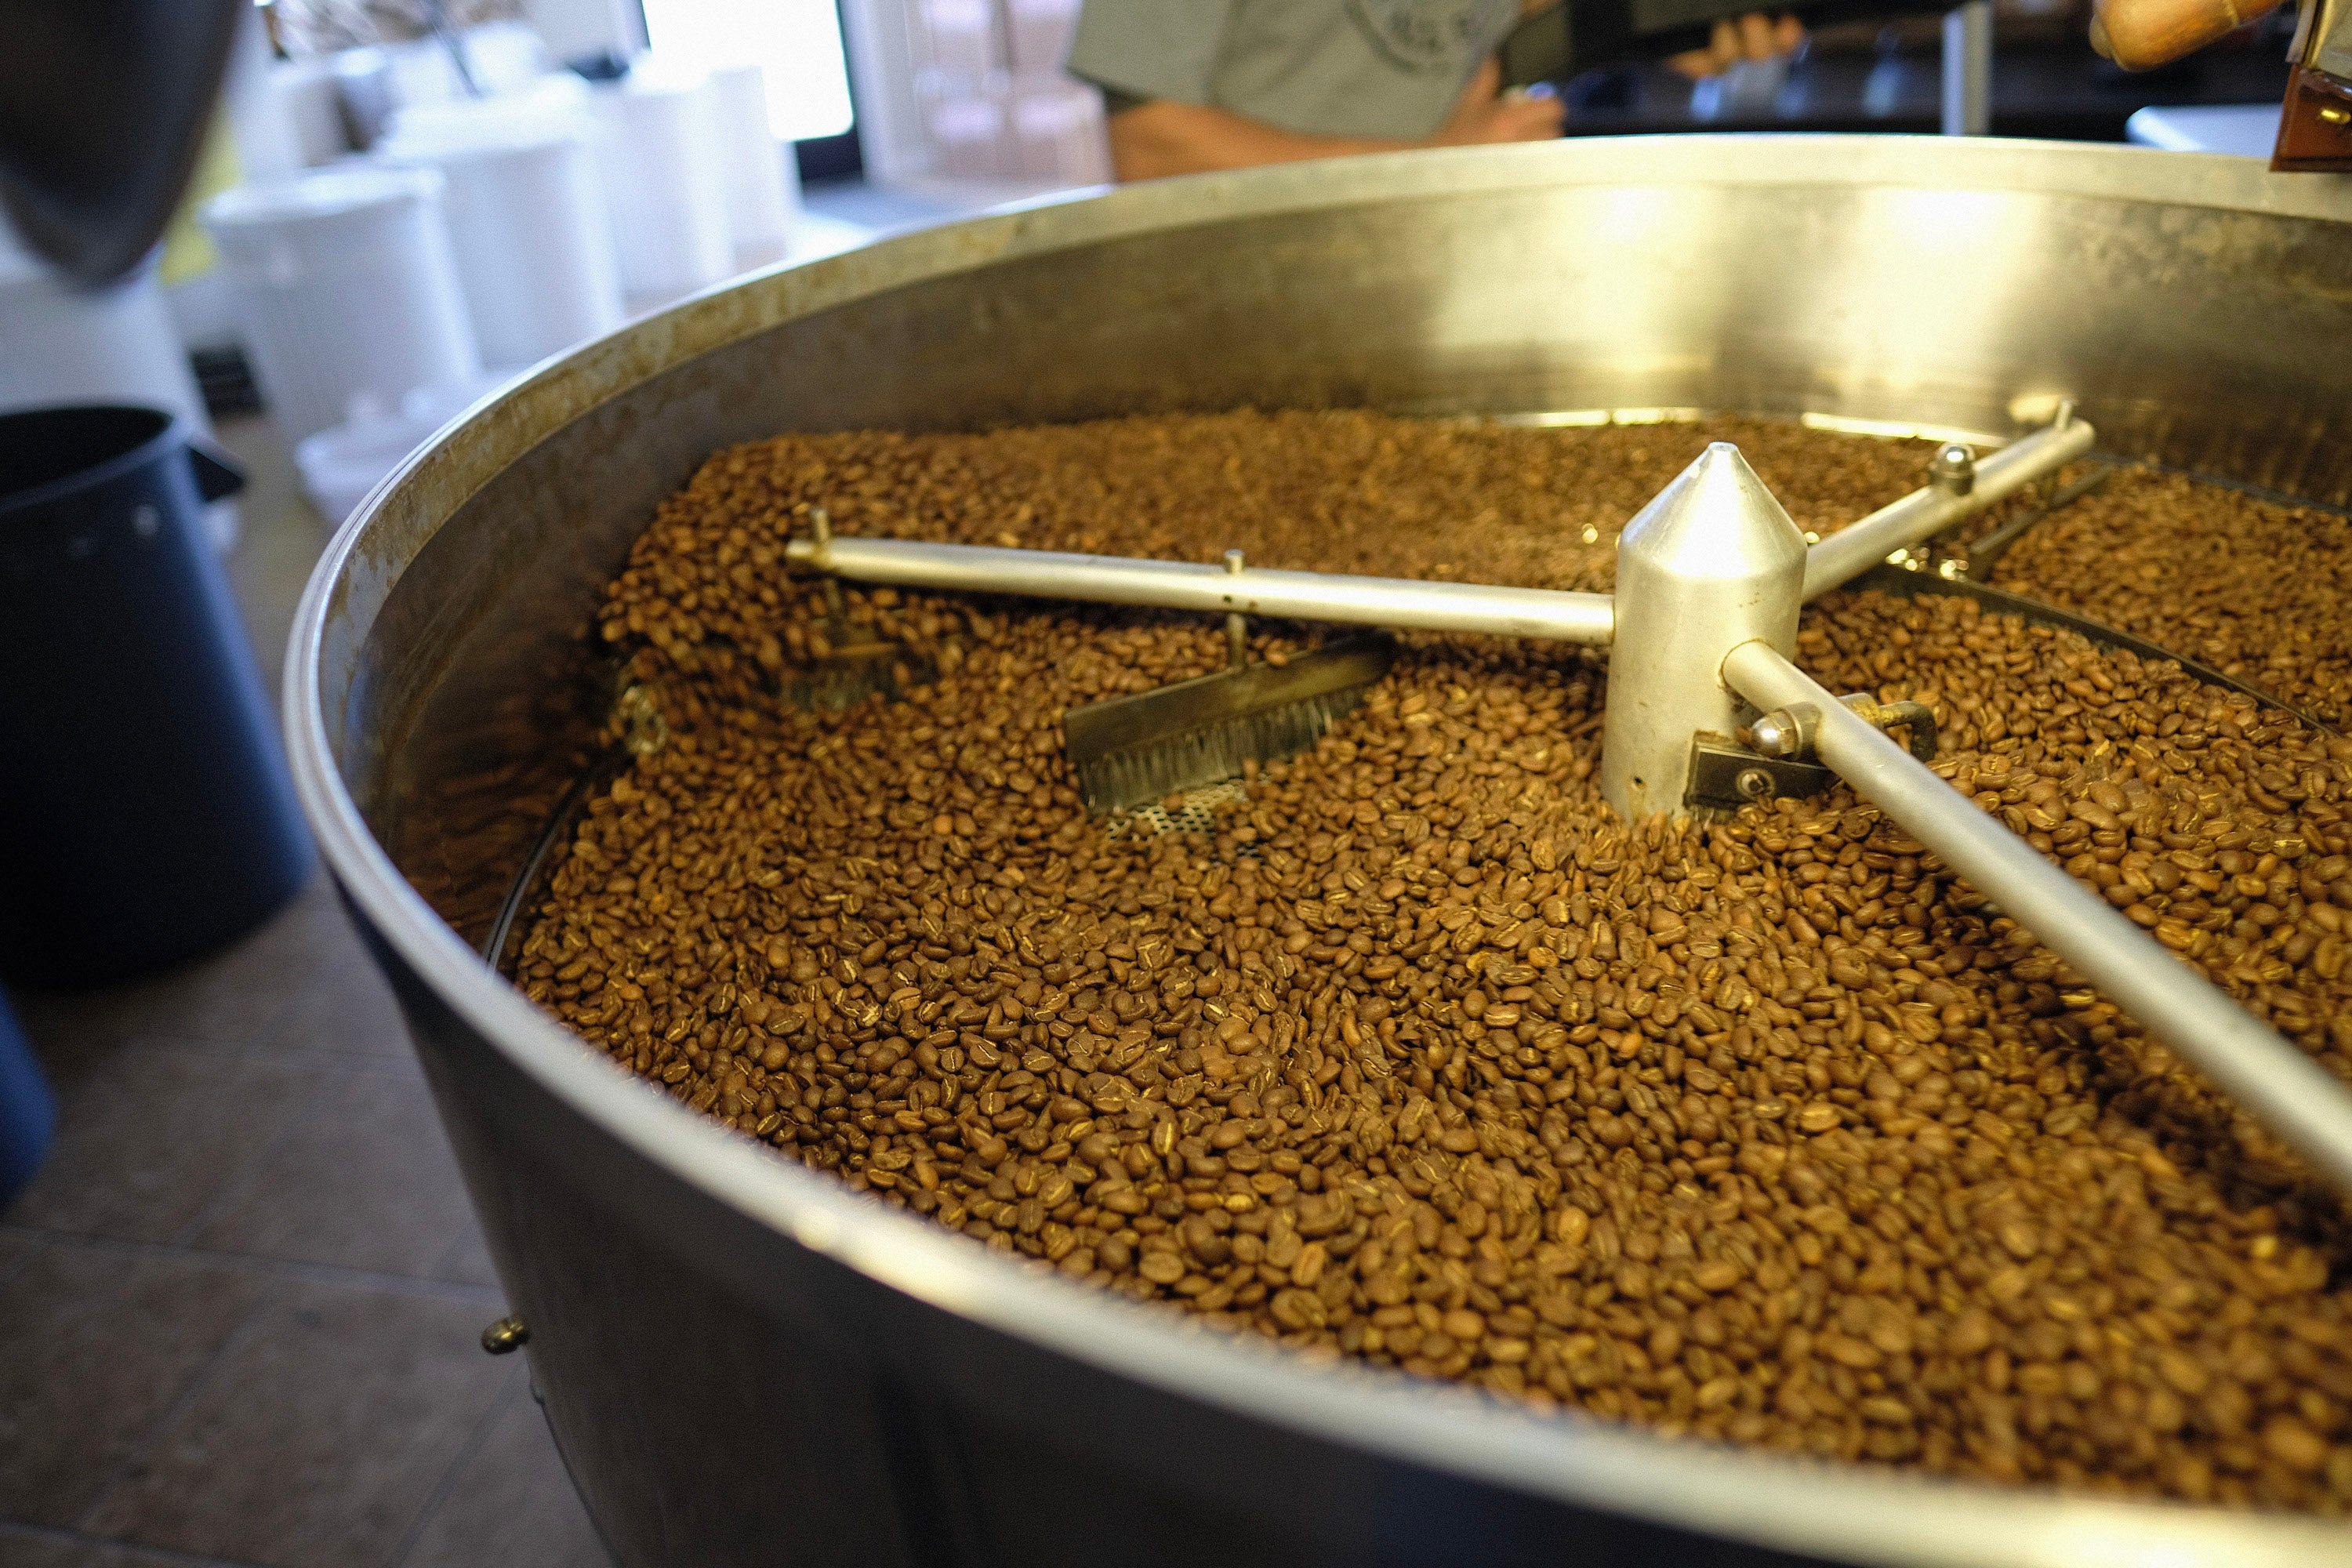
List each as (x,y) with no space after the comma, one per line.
(1324,67)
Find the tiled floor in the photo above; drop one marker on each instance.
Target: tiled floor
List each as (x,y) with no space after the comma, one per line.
(240,1307)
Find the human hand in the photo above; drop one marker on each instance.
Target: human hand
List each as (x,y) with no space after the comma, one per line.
(1486,114)
(1754,36)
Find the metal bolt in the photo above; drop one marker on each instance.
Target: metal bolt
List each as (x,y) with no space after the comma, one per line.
(506,1336)
(1954,468)
(1780,733)
(1753,784)
(2336,116)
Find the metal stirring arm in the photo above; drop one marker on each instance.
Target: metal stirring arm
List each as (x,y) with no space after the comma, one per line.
(1393,601)
(2288,1092)
(1405,603)
(1925,513)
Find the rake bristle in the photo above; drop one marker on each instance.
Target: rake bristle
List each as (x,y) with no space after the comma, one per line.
(1211,754)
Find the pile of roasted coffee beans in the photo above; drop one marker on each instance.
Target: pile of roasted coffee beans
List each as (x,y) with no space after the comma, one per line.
(1766,1132)
(2255,589)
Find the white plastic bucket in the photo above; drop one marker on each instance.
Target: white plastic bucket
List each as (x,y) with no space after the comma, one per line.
(61,342)
(658,155)
(526,218)
(762,186)
(346,288)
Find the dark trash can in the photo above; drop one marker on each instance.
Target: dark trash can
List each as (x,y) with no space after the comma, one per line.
(28,1113)
(145,812)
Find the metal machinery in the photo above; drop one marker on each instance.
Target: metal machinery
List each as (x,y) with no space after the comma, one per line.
(744,1362)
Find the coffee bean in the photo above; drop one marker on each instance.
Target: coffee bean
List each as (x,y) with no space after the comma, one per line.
(1769,1130)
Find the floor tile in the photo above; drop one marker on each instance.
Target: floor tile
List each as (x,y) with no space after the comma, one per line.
(277,544)
(233,995)
(350,1013)
(94,1349)
(467,1261)
(149,1141)
(24,1547)
(361,1178)
(318,1439)
(509,1503)
(16,1250)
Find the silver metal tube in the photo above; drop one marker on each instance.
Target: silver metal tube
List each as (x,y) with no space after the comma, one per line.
(1924,513)
(1393,601)
(1712,561)
(1968,70)
(2288,1092)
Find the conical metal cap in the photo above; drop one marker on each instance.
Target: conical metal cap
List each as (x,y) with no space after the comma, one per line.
(1715,520)
(1711,563)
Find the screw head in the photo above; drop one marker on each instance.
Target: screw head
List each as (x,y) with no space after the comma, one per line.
(1753,784)
(1954,467)
(506,1336)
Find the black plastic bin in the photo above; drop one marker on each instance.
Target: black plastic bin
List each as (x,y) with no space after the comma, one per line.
(145,812)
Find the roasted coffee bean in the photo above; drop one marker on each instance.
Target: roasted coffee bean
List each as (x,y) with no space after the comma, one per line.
(2252,588)
(1769,1130)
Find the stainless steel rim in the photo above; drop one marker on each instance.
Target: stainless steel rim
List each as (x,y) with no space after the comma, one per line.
(1840,1511)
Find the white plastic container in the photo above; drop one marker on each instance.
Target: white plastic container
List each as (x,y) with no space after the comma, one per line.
(970,137)
(526,218)
(959,39)
(1058,133)
(659,160)
(346,288)
(763,185)
(307,97)
(61,342)
(1040,32)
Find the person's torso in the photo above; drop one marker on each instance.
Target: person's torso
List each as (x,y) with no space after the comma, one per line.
(1354,68)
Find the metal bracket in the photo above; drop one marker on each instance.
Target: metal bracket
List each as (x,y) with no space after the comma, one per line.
(1725,775)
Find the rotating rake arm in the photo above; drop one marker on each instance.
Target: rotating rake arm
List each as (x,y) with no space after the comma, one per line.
(1392,602)
(1965,488)
(1925,513)
(2288,1092)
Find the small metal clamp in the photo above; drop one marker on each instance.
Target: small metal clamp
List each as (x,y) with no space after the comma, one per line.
(1791,733)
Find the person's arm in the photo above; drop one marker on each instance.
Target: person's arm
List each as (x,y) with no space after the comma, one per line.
(2140,35)
(1166,136)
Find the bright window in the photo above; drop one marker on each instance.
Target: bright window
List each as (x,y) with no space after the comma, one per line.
(796,44)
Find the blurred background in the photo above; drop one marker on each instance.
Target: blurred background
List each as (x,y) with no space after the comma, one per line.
(403,202)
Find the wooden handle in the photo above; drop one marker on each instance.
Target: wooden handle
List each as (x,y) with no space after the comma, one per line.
(2140,35)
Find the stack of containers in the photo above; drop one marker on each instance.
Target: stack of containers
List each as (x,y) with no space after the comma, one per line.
(493,231)
(763,187)
(660,157)
(526,218)
(997,104)
(1057,121)
(962,79)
